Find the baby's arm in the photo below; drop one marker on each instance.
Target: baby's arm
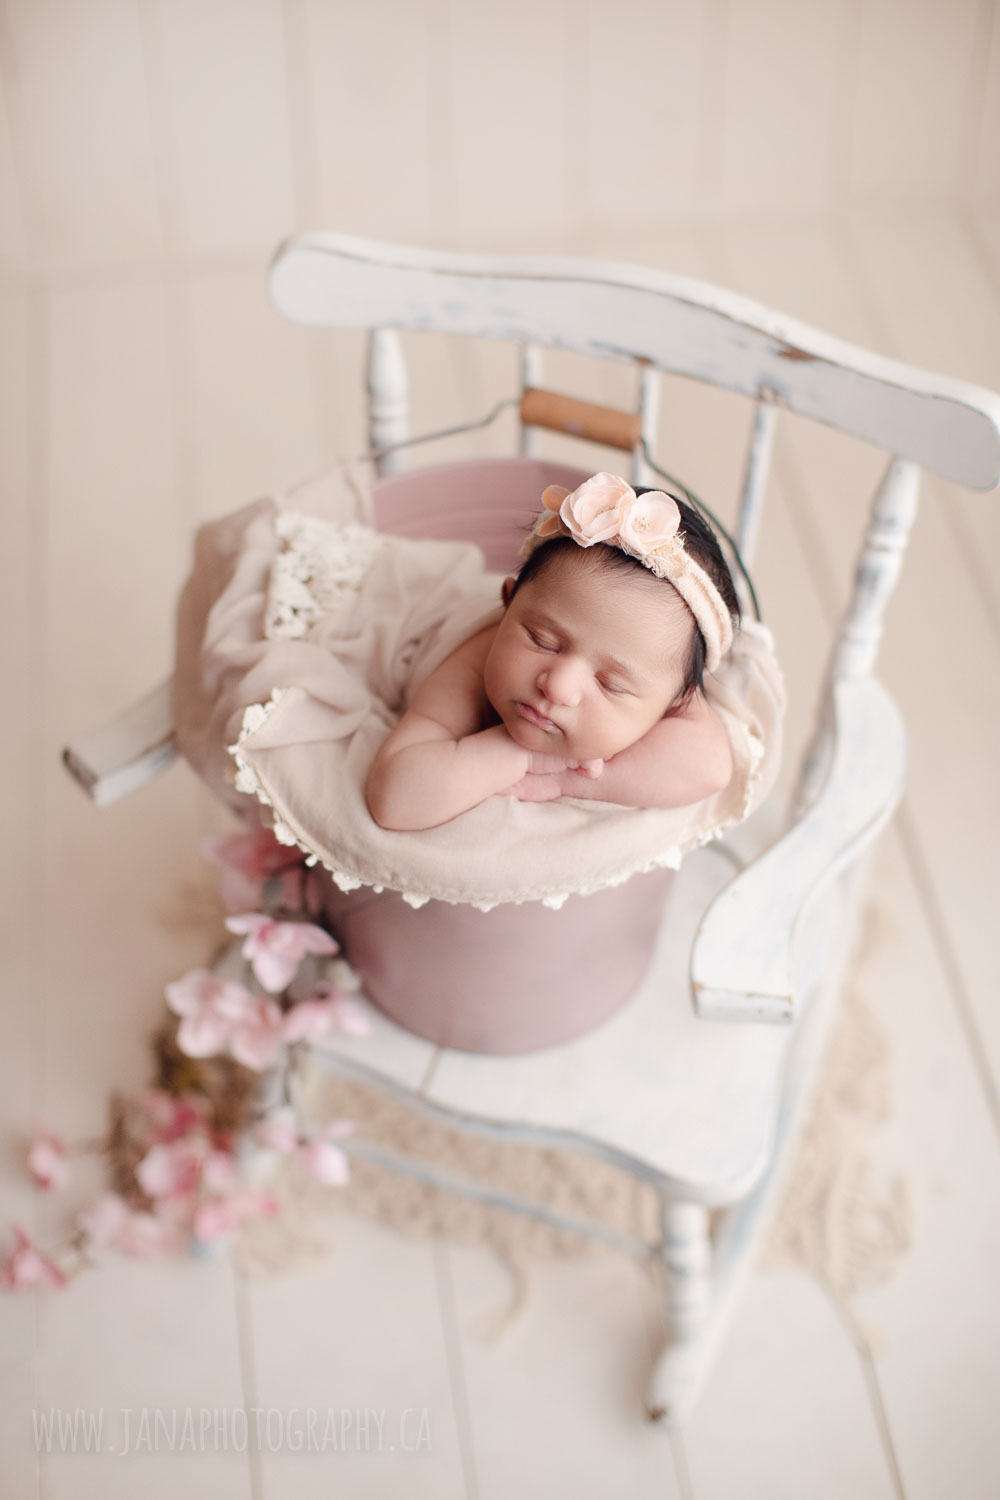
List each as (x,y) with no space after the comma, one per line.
(437,762)
(679,761)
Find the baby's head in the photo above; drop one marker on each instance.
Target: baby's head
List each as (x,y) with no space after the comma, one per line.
(595,646)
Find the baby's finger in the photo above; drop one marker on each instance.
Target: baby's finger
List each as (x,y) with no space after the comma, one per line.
(591,768)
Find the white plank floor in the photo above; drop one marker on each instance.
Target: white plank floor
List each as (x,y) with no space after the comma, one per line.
(145,384)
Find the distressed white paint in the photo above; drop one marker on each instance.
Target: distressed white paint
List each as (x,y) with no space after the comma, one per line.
(677,324)
(388,397)
(742,961)
(755,477)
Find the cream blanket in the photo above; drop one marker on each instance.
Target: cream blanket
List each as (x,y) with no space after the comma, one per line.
(301,633)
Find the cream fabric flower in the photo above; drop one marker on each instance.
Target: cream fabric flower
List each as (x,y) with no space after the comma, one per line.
(648,522)
(593,512)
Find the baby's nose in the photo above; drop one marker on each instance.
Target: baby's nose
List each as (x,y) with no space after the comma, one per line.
(562,683)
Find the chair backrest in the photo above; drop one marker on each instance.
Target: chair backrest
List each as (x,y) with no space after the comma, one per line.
(661,323)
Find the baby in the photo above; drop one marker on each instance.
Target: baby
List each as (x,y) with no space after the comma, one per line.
(590,684)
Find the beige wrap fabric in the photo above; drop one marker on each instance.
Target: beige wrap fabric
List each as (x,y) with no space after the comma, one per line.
(301,633)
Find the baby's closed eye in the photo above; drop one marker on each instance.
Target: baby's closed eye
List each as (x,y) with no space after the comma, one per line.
(542,642)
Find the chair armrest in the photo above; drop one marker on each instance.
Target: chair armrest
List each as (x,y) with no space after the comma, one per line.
(128,752)
(741,959)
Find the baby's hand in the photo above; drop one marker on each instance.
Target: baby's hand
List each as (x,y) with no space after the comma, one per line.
(537,787)
(553,765)
(591,768)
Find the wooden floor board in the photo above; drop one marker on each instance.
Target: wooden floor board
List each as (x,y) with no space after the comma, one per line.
(132,1340)
(358,1340)
(804,1423)
(556,1400)
(935,1324)
(22,652)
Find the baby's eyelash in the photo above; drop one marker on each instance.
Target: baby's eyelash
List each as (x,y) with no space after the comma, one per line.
(537,641)
(617,688)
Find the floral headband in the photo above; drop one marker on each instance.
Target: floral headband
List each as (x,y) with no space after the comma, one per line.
(606,509)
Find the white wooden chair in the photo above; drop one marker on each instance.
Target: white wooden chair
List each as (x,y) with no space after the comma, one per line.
(700,1100)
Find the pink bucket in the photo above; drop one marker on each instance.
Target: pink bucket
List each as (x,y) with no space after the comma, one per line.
(519,977)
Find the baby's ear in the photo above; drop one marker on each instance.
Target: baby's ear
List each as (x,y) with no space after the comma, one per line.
(507,590)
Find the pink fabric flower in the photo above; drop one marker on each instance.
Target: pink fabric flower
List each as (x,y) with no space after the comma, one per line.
(592,512)
(324,1159)
(275,949)
(328,1006)
(47,1162)
(277,1132)
(201,1000)
(552,498)
(255,1036)
(26,1266)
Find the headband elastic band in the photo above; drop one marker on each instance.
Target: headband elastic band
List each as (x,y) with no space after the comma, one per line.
(606,509)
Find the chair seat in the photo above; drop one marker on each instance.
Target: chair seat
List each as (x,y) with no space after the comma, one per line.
(689,1101)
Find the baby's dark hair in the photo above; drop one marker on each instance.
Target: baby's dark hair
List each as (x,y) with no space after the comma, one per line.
(700,542)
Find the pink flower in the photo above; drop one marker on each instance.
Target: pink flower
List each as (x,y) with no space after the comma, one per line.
(218,1216)
(201,998)
(47,1162)
(351,1016)
(328,1006)
(275,949)
(277,1130)
(111,1224)
(308,1020)
(325,1160)
(592,512)
(550,524)
(171,1116)
(103,1220)
(173,1169)
(26,1266)
(248,861)
(256,1029)
(219,1174)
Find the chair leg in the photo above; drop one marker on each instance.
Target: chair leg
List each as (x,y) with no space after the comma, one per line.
(687,1256)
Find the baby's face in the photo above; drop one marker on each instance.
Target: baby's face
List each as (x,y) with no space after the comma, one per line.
(586,660)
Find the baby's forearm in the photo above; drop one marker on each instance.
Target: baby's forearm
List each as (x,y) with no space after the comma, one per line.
(678,762)
(427,782)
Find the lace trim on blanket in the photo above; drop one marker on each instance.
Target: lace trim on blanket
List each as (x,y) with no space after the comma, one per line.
(319,571)
(248,781)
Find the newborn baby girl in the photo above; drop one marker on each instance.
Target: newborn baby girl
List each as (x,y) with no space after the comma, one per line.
(590,684)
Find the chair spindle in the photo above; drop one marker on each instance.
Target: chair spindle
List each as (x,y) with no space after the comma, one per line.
(755,477)
(649,412)
(894,510)
(531,378)
(388,391)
